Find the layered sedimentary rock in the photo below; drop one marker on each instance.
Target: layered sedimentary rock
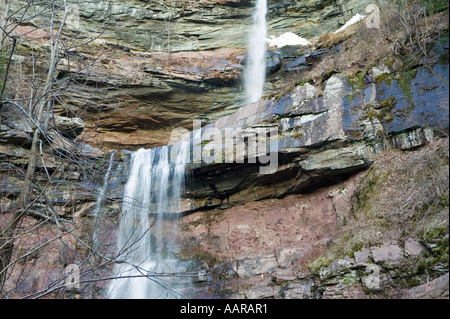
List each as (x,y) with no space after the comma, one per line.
(152,66)
(162,64)
(323,134)
(368,236)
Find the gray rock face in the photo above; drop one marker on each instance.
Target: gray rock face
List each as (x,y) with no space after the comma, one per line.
(301,290)
(337,267)
(138,94)
(157,25)
(321,135)
(262,292)
(436,289)
(258,266)
(69,127)
(283,275)
(362,257)
(389,253)
(14,136)
(413,247)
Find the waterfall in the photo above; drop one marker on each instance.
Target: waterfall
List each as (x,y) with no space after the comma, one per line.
(147,267)
(146,248)
(100,200)
(97,214)
(255,76)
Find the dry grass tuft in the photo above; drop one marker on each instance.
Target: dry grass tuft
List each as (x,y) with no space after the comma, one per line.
(401,197)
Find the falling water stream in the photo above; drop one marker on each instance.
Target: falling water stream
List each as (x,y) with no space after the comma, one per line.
(256,57)
(147,266)
(100,200)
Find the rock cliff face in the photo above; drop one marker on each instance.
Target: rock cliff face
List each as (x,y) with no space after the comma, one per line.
(154,58)
(324,134)
(358,184)
(341,241)
(156,25)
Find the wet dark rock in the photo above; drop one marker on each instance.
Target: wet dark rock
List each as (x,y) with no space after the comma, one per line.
(322,135)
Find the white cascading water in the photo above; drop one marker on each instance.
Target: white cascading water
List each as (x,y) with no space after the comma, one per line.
(255,75)
(100,200)
(148,267)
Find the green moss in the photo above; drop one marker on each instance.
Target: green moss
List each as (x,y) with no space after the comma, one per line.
(360,76)
(387,106)
(404,80)
(436,238)
(356,82)
(437,234)
(351,79)
(356,247)
(409,282)
(435,6)
(389,118)
(298,135)
(389,61)
(350,279)
(382,110)
(385,77)
(351,97)
(302,82)
(324,261)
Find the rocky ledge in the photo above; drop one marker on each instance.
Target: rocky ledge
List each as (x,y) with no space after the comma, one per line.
(142,60)
(321,133)
(369,236)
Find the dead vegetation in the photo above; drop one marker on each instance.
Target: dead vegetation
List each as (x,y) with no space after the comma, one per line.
(407,30)
(404,195)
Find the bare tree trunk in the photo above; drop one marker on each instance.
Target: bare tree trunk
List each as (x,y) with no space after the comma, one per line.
(6,237)
(4,21)
(54,54)
(6,248)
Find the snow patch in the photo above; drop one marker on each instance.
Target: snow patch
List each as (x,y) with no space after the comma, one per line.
(285,39)
(350,22)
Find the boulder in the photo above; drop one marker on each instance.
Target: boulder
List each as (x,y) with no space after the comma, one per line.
(388,253)
(413,248)
(436,289)
(362,257)
(302,290)
(68,127)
